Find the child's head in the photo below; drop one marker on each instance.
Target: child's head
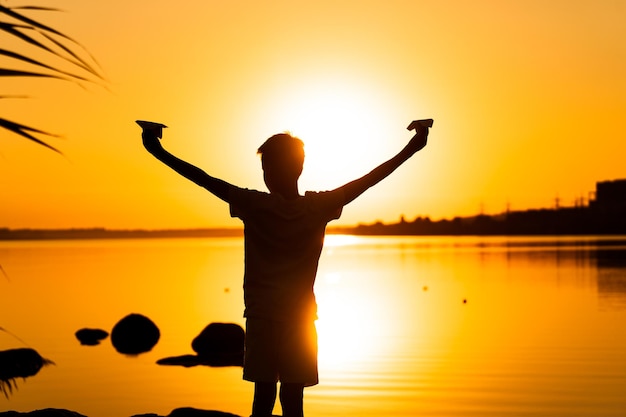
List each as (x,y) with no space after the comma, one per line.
(282,155)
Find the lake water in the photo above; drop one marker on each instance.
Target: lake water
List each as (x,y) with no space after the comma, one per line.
(408,326)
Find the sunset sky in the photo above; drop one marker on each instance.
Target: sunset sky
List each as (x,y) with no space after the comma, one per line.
(528,98)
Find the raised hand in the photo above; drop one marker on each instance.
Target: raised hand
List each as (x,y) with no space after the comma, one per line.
(151,133)
(420,139)
(422,128)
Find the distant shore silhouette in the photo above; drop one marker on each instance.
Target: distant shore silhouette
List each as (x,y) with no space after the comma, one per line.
(604,215)
(564,221)
(103,233)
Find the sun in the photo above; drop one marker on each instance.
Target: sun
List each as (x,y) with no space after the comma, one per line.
(345,125)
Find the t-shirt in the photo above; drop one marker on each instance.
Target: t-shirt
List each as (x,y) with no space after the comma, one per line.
(283,243)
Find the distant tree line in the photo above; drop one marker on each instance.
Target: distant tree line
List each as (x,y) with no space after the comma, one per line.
(564,221)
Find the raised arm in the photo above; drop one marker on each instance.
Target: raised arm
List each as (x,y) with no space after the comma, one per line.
(355,188)
(216,186)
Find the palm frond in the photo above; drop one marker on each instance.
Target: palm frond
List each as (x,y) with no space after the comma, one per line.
(77,60)
(19,73)
(13,30)
(50,33)
(49,9)
(10,11)
(27,131)
(68,76)
(14,335)
(57,45)
(73,59)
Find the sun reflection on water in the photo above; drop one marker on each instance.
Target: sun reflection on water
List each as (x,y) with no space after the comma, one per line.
(352,326)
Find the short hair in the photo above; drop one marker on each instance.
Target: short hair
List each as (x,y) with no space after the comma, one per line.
(283,151)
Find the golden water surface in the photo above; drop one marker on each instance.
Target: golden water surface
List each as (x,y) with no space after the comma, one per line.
(408,326)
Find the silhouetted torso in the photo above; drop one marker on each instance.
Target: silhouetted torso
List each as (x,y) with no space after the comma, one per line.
(283,242)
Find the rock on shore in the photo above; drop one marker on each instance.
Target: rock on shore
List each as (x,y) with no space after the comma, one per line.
(47,412)
(179,412)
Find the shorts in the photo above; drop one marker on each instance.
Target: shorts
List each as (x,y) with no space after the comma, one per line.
(280,351)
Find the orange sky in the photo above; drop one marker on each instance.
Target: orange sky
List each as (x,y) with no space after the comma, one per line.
(528,99)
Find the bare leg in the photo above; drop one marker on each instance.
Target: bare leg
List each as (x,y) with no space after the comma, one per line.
(291,398)
(264,399)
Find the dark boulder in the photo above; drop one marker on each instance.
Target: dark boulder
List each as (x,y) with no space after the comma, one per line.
(218,345)
(191,412)
(194,412)
(219,338)
(91,337)
(48,412)
(135,334)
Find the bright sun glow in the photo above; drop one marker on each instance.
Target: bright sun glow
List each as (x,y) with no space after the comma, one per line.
(344,125)
(351,327)
(355,321)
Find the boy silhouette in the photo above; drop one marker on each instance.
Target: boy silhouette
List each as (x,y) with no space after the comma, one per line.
(284,235)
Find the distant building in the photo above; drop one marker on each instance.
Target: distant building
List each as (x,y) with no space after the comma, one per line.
(610,195)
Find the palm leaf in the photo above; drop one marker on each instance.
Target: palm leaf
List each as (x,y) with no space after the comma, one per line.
(26,132)
(30,22)
(53,42)
(20,57)
(19,73)
(49,9)
(12,29)
(46,31)
(2,329)
(78,61)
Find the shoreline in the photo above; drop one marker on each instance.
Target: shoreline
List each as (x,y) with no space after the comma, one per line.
(532,223)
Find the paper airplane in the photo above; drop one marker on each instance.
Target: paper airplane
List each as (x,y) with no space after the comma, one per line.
(157,128)
(423,123)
